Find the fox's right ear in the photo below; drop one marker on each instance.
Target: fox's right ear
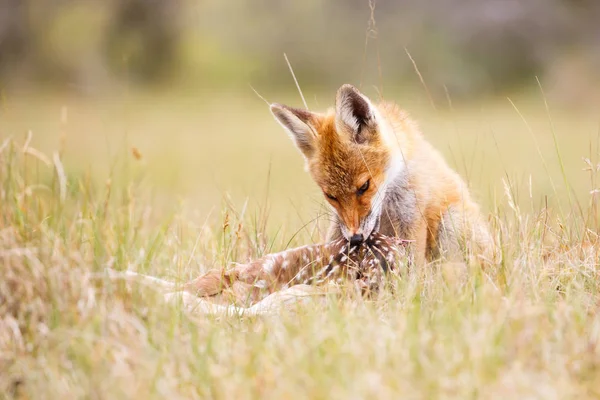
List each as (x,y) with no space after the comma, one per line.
(355,113)
(297,124)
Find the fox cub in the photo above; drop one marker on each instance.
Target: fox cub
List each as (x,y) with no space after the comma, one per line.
(378,173)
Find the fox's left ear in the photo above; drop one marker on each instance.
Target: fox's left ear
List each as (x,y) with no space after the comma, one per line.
(298,125)
(355,113)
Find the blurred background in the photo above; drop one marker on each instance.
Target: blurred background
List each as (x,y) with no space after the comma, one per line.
(505,89)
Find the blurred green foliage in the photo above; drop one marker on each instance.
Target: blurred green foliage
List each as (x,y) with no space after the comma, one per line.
(465,47)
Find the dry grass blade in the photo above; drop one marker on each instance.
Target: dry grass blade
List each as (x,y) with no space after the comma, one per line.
(259,95)
(414,63)
(4,145)
(28,140)
(18,251)
(62,178)
(295,81)
(37,154)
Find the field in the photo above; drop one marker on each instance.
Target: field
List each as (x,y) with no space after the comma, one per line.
(174,184)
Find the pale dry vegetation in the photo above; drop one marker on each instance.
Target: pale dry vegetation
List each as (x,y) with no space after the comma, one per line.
(529,328)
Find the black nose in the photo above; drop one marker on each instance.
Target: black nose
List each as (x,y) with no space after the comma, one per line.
(356,239)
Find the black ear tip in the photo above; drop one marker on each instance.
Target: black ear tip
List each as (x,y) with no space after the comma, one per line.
(278,110)
(348,93)
(347,88)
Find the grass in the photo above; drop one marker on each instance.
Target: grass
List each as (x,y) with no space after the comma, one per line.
(217,182)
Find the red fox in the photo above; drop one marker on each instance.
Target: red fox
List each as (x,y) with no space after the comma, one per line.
(382,179)
(378,173)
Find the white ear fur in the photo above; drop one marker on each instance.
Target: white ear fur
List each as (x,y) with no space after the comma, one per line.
(354,111)
(296,123)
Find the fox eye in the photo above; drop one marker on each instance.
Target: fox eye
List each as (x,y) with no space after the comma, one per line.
(330,197)
(361,190)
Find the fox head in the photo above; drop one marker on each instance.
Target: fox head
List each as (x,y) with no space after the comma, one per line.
(349,155)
